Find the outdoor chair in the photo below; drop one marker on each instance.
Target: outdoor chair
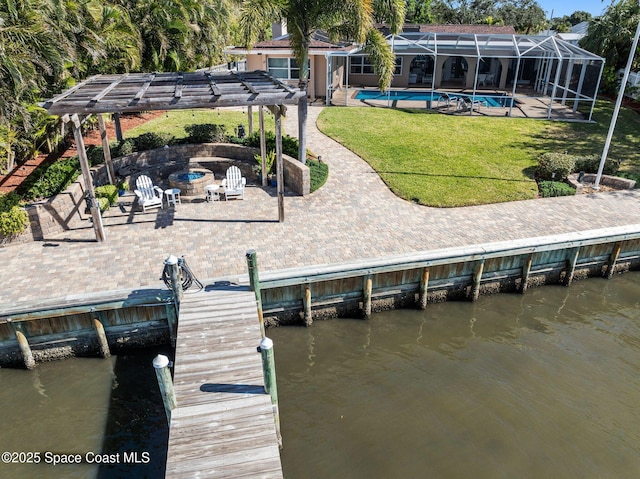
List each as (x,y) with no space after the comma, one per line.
(234,183)
(446,99)
(149,196)
(465,103)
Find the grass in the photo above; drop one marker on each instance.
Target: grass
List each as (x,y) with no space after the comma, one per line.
(446,161)
(174,121)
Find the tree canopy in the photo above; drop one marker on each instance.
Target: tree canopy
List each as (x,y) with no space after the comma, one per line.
(526,16)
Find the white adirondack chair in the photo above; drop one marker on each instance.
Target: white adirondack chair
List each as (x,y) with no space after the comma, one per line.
(234,183)
(149,196)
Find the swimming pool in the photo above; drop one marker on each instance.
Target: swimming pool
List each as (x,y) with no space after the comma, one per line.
(491,101)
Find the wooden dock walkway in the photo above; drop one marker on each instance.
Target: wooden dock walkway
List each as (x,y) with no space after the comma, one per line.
(223,425)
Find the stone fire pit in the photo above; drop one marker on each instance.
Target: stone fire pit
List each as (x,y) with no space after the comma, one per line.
(191,182)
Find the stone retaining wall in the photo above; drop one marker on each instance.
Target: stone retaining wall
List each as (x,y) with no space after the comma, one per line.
(217,157)
(615,182)
(58,214)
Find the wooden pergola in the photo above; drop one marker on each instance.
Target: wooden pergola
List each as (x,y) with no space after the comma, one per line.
(137,92)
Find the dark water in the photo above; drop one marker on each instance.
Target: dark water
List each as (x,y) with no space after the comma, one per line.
(536,386)
(545,385)
(103,408)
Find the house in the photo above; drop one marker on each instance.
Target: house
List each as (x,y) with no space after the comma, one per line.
(460,57)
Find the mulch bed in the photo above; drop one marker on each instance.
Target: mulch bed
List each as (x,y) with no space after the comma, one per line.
(15,178)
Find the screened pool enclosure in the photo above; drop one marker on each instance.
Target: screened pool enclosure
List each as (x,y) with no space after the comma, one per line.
(557,79)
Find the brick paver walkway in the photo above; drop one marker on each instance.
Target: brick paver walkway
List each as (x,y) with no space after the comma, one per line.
(353,216)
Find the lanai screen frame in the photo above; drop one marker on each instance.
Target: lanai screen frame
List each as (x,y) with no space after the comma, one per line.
(137,92)
(555,52)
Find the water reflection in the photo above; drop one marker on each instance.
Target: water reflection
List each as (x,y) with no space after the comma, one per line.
(80,406)
(538,385)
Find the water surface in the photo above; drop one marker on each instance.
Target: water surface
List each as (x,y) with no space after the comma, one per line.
(545,384)
(100,407)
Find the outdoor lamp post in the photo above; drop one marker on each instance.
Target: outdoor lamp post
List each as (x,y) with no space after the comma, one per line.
(616,110)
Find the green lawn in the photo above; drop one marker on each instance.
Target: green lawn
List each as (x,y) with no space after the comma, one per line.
(174,121)
(442,160)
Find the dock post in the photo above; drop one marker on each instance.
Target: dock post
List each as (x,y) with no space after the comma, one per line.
(102,338)
(25,349)
(477,277)
(613,259)
(254,285)
(306,300)
(161,365)
(269,373)
(572,260)
(424,283)
(172,322)
(176,279)
(366,297)
(526,269)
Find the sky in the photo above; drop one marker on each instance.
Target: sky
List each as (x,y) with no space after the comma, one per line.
(567,7)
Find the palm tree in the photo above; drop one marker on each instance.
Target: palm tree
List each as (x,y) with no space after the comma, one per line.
(179,34)
(351,19)
(30,55)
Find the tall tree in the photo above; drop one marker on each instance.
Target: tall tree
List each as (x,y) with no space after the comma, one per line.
(29,55)
(526,16)
(611,34)
(179,34)
(351,20)
(418,11)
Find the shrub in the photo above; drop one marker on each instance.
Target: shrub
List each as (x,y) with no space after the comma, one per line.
(13,218)
(124,147)
(631,176)
(95,155)
(555,188)
(150,141)
(270,161)
(318,174)
(289,144)
(558,163)
(205,133)
(54,179)
(591,163)
(103,203)
(109,192)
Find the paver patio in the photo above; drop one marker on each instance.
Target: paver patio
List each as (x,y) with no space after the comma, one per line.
(354,216)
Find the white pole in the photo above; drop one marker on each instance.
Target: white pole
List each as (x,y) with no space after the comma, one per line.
(616,110)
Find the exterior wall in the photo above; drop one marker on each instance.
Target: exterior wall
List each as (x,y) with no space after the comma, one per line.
(318,76)
(318,83)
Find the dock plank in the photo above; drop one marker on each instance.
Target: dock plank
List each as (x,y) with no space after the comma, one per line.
(223,425)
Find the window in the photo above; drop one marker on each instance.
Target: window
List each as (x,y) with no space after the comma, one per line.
(285,68)
(360,66)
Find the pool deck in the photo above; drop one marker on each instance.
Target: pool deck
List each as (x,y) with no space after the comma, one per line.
(354,216)
(528,104)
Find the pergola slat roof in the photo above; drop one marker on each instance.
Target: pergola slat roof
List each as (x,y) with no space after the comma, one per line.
(134,92)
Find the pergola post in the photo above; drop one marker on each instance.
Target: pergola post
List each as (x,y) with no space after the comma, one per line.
(90,196)
(263,146)
(118,127)
(250,119)
(302,129)
(279,166)
(105,149)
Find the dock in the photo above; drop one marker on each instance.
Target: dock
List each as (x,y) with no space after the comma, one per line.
(223,425)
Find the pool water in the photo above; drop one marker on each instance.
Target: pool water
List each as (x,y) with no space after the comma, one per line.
(190,176)
(491,101)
